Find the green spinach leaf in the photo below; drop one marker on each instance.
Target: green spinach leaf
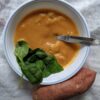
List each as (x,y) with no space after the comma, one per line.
(40,64)
(52,65)
(46,73)
(35,64)
(21,50)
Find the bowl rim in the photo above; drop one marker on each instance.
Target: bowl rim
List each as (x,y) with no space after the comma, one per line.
(65,3)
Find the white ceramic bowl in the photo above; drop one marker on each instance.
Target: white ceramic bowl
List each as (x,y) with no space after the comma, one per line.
(59,5)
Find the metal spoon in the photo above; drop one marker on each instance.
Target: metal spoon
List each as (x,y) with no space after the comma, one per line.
(79,40)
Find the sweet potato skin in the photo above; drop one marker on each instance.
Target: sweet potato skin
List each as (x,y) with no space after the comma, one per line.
(78,84)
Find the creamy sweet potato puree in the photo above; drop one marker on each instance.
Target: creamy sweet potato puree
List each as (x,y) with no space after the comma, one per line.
(40,28)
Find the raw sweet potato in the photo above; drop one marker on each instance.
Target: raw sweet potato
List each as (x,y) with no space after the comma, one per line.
(78,84)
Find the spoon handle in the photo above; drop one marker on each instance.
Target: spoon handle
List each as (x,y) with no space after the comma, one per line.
(78,39)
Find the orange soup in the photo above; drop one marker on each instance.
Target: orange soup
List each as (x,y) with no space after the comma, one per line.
(39,29)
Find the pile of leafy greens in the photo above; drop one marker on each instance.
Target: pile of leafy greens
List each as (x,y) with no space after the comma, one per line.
(35,64)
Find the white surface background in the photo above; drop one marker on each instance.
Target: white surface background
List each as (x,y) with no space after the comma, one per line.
(9,85)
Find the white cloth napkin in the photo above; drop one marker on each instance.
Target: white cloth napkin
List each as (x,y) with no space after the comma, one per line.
(9,85)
